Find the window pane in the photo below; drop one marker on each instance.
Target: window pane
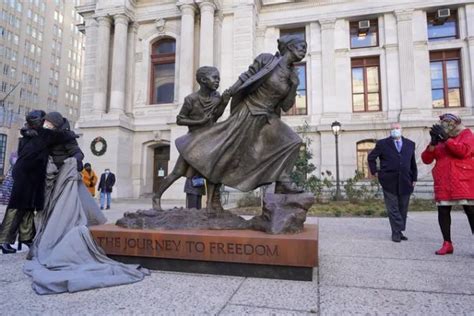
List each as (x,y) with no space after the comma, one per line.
(366,145)
(357,80)
(444,30)
(164,83)
(363,150)
(373,100)
(373,79)
(454,97)
(436,75)
(452,71)
(358,102)
(165,47)
(437,97)
(300,33)
(300,103)
(361,38)
(301,69)
(367,40)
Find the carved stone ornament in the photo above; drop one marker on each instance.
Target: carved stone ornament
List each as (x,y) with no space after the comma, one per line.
(160,25)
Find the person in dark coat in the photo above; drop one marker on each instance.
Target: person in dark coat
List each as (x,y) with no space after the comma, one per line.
(60,152)
(106,183)
(194,188)
(29,175)
(397,174)
(452,150)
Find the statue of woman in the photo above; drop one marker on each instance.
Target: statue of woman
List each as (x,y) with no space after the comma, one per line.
(253,147)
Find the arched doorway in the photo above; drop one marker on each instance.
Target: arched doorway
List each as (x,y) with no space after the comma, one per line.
(161,158)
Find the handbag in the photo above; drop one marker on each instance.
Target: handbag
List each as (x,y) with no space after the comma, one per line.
(197,182)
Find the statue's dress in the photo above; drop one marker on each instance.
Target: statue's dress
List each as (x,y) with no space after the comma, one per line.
(253,146)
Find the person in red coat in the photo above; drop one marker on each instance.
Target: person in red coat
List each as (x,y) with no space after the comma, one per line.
(452,146)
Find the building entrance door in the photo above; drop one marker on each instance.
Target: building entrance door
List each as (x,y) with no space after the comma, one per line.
(160,165)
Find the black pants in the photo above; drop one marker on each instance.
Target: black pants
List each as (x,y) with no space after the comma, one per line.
(193,201)
(444,219)
(397,209)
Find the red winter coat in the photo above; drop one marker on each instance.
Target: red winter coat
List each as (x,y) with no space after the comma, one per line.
(453,173)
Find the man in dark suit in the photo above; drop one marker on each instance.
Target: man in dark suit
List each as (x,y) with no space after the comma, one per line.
(107,181)
(397,175)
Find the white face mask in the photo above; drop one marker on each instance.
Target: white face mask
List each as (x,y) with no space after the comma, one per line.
(107,171)
(396,133)
(48,125)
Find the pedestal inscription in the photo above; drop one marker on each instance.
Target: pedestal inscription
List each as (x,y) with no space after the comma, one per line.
(239,246)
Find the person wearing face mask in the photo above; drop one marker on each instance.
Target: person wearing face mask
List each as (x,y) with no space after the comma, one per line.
(452,149)
(29,175)
(59,153)
(397,175)
(107,181)
(89,178)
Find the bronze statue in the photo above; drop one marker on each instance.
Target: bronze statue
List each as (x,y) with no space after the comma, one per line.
(201,109)
(253,147)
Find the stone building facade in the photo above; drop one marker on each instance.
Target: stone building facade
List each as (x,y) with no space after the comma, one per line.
(369,63)
(41,57)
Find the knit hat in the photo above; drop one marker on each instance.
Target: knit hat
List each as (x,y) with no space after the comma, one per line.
(450,117)
(35,118)
(55,118)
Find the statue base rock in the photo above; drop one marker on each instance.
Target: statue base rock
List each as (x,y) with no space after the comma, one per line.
(281,214)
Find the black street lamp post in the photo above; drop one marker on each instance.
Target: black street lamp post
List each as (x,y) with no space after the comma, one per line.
(336,129)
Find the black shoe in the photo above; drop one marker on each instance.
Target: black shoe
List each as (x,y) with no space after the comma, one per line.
(29,243)
(101,208)
(396,237)
(6,248)
(403,237)
(107,208)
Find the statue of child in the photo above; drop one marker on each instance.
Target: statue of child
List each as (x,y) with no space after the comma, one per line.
(200,109)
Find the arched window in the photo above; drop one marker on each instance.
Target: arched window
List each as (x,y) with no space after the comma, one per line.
(163,57)
(364,147)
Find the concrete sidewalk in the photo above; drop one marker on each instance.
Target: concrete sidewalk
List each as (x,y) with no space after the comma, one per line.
(361,272)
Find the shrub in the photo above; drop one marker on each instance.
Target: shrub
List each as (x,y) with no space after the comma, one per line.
(249,199)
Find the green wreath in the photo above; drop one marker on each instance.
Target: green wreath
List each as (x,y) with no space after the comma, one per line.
(102,149)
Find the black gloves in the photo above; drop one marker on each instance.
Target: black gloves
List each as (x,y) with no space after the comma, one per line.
(440,133)
(79,156)
(28,132)
(434,138)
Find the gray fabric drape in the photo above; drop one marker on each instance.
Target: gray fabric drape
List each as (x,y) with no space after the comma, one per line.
(64,256)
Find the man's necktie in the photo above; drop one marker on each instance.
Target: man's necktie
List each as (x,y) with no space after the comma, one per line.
(399,145)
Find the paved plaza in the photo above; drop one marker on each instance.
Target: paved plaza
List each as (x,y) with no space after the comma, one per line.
(362,272)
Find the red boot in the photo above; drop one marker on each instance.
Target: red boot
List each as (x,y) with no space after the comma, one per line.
(447,248)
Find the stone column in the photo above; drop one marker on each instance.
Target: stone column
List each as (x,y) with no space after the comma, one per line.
(119,64)
(102,65)
(328,58)
(315,85)
(88,82)
(392,65)
(186,51)
(244,35)
(470,42)
(129,89)
(270,42)
(206,47)
(406,58)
